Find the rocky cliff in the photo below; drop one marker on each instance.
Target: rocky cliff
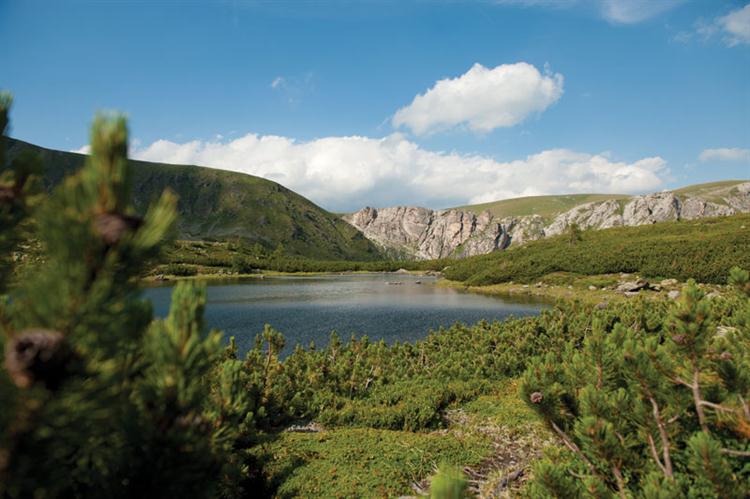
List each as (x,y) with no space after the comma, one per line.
(425,234)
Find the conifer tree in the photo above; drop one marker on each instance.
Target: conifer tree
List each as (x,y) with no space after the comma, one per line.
(647,413)
(96,399)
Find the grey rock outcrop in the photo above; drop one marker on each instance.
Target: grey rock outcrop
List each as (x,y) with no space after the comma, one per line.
(590,215)
(650,209)
(426,234)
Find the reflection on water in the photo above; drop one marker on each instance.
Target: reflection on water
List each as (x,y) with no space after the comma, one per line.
(381,306)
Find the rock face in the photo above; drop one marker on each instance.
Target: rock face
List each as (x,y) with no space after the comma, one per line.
(426,234)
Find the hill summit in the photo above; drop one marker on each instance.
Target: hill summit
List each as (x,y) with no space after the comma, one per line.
(217,204)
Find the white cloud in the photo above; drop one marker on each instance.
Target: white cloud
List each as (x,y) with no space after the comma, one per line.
(482,99)
(347,173)
(82,150)
(634,11)
(277,82)
(725,154)
(736,26)
(733,27)
(614,11)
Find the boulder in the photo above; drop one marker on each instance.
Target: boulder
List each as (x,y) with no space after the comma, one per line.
(633,287)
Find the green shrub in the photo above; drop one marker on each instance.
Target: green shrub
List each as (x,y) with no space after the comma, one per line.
(704,250)
(96,399)
(651,410)
(181,270)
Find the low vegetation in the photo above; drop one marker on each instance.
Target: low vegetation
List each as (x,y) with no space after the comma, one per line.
(703,249)
(546,207)
(238,257)
(636,397)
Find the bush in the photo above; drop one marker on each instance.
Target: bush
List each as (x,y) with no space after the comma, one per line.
(180,270)
(704,250)
(655,411)
(96,398)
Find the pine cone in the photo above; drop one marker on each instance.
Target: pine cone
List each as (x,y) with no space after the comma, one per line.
(113,226)
(37,355)
(536,397)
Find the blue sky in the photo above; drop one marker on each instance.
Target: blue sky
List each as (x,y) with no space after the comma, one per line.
(518,97)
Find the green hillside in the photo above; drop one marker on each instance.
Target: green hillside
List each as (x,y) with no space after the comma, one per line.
(711,191)
(704,249)
(550,206)
(545,206)
(216,204)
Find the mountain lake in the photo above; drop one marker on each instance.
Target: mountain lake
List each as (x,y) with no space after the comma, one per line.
(391,307)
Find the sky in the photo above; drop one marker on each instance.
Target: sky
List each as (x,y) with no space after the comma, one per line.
(358,103)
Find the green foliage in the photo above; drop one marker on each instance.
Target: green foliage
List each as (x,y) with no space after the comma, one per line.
(216,204)
(361,462)
(545,206)
(574,234)
(18,188)
(448,483)
(222,257)
(180,270)
(702,249)
(653,409)
(95,398)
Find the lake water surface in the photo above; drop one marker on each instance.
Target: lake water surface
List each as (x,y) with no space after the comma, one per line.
(307,309)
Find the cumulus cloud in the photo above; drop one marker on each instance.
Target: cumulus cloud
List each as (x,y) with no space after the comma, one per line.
(82,150)
(736,26)
(347,173)
(481,99)
(733,28)
(725,154)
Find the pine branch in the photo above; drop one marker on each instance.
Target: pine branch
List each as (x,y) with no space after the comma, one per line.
(732,452)
(573,447)
(664,438)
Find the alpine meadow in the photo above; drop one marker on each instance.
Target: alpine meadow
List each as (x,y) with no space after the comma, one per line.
(375,248)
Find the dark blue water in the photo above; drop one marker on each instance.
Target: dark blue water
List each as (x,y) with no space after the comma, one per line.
(307,309)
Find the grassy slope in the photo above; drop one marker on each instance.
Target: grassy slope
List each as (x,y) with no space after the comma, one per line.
(703,249)
(545,206)
(550,206)
(222,205)
(711,191)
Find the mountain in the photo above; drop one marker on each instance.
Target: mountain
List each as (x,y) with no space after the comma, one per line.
(217,204)
(471,230)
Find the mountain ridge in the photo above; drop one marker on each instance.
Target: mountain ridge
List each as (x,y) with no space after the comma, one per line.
(218,204)
(466,231)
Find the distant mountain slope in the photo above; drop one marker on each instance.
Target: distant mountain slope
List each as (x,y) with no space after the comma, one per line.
(549,207)
(546,207)
(222,205)
(479,229)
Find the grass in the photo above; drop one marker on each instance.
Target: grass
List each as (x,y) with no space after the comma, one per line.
(362,462)
(549,206)
(545,206)
(217,204)
(490,437)
(711,191)
(702,249)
